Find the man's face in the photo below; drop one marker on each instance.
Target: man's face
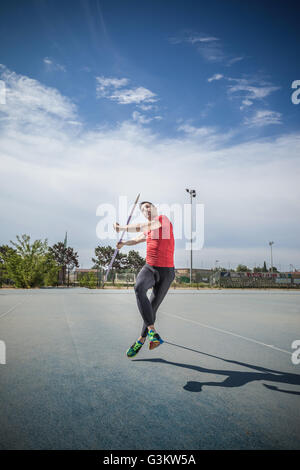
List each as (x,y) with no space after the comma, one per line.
(148,210)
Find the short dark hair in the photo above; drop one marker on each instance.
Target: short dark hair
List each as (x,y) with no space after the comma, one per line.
(144,202)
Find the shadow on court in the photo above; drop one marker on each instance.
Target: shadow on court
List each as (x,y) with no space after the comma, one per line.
(234,378)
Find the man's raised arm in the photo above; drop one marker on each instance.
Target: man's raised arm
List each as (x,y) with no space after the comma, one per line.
(134,241)
(151,225)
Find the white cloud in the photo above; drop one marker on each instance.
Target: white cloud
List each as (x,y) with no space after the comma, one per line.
(263,118)
(248,90)
(247,102)
(142,119)
(201,38)
(216,76)
(234,60)
(134,96)
(196,131)
(146,107)
(192,38)
(33,105)
(252,92)
(211,52)
(208,46)
(138,117)
(51,65)
(104,85)
(113,89)
(53,181)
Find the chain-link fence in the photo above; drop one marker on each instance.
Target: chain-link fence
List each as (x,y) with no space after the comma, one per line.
(258,280)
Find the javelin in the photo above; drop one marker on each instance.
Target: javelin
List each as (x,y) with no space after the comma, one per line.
(117,249)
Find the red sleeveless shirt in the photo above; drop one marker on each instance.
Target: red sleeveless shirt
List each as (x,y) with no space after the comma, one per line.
(160,244)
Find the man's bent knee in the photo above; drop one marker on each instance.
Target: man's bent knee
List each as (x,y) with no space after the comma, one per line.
(140,289)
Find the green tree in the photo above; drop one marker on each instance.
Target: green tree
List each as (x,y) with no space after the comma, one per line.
(264,269)
(71,261)
(88,280)
(92,280)
(257,269)
(65,257)
(219,268)
(242,268)
(134,261)
(5,250)
(275,270)
(82,279)
(103,256)
(29,264)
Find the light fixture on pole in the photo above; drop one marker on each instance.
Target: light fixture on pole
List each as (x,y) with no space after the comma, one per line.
(192,193)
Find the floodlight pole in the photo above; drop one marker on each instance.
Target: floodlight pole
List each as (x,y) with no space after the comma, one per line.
(192,194)
(271,243)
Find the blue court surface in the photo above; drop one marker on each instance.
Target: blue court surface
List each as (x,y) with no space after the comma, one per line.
(223,379)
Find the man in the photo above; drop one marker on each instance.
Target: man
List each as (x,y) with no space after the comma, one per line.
(158,273)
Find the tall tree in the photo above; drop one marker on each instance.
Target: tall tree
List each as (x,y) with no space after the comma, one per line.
(103,256)
(242,268)
(134,261)
(275,270)
(65,257)
(5,251)
(264,269)
(29,263)
(71,261)
(257,269)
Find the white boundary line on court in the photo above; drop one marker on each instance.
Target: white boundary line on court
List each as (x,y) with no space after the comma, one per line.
(227,332)
(15,306)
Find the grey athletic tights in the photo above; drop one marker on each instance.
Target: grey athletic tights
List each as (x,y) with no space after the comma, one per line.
(159,279)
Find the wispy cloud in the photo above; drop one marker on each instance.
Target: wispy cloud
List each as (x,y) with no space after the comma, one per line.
(263,118)
(248,90)
(192,38)
(246,102)
(30,103)
(134,96)
(146,107)
(234,60)
(196,131)
(209,137)
(251,91)
(105,85)
(113,89)
(208,46)
(216,76)
(142,119)
(52,65)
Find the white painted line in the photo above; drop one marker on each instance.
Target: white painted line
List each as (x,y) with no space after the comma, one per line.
(15,306)
(228,332)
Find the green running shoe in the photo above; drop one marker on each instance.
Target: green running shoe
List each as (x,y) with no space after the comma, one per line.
(134,349)
(154,339)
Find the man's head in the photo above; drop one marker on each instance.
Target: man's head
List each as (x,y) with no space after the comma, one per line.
(148,209)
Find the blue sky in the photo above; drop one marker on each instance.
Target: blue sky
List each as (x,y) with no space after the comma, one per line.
(105,98)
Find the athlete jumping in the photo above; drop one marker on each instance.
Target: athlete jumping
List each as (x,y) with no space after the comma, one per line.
(158,273)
